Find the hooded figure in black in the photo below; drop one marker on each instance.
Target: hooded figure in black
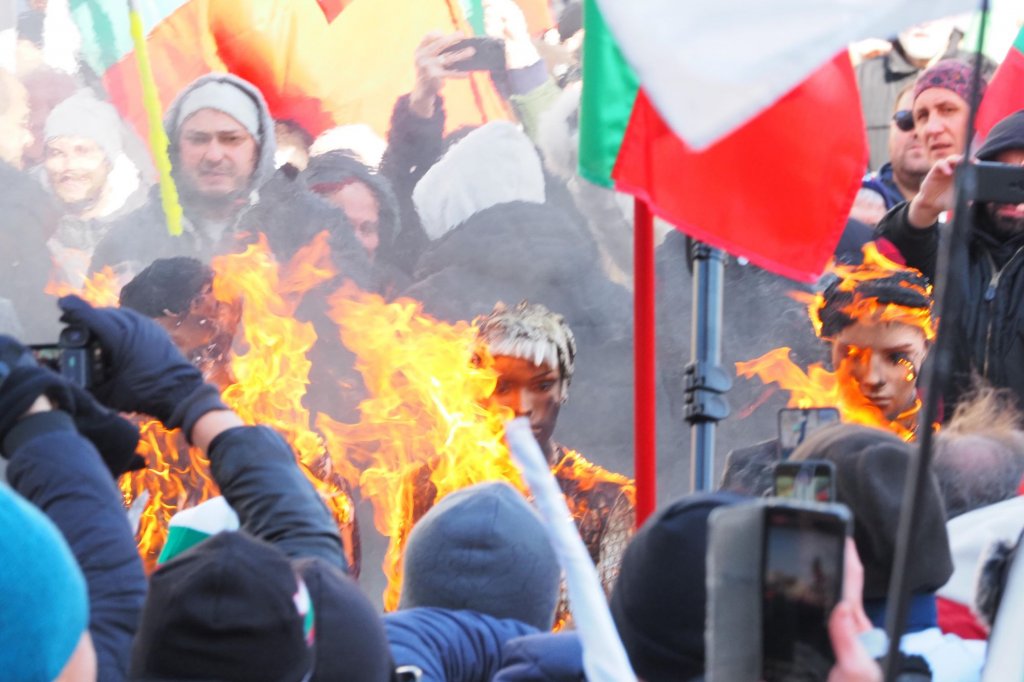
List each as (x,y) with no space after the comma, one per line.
(366,199)
(987,278)
(496,236)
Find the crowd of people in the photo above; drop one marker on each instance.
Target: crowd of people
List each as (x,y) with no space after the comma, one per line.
(490,224)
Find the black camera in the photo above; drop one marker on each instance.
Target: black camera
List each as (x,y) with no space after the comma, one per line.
(76,356)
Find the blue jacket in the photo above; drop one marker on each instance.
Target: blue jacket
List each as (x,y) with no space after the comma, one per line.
(451,646)
(542,658)
(259,477)
(61,472)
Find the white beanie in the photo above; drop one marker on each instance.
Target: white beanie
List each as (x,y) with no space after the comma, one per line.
(82,115)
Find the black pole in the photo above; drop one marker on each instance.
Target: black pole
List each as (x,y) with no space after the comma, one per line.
(935,376)
(706,380)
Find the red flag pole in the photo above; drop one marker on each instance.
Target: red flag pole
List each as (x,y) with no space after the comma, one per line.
(644,352)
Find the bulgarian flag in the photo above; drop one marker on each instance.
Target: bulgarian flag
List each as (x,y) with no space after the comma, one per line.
(1005,94)
(737,121)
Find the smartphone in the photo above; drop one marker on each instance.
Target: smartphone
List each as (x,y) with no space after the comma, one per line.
(801,582)
(813,480)
(488,54)
(1001,183)
(796,424)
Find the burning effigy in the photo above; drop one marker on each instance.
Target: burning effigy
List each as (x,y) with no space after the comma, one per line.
(877,318)
(430,423)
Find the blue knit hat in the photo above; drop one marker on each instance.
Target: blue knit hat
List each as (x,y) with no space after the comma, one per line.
(44,607)
(483,549)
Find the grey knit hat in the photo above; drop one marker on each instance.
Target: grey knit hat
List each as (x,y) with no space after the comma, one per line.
(483,549)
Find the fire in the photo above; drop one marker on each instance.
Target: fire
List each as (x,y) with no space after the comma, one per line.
(270,377)
(425,430)
(101,289)
(819,387)
(875,266)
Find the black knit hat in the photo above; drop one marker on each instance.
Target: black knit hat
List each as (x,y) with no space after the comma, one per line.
(351,643)
(871,470)
(1006,135)
(659,600)
(231,609)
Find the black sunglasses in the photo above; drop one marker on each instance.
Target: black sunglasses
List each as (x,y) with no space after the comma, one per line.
(904,120)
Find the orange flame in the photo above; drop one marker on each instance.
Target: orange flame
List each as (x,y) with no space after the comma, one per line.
(875,266)
(270,378)
(101,289)
(425,430)
(818,387)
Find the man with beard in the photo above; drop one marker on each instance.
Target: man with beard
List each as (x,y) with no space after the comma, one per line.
(92,180)
(222,155)
(987,324)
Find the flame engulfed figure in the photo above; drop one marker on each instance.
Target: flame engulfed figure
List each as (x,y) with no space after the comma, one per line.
(877,317)
(534,354)
(262,375)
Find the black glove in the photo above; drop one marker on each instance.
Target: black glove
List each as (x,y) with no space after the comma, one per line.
(19,389)
(114,436)
(146,372)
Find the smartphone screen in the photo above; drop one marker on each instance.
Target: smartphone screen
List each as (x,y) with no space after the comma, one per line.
(796,424)
(809,480)
(801,581)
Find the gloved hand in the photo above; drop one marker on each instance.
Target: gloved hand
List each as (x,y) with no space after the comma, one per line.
(145,371)
(22,381)
(114,437)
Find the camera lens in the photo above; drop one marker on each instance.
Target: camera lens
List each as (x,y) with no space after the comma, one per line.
(74,337)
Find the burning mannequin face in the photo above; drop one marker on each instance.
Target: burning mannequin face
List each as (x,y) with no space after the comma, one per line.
(877,364)
(533,391)
(77,169)
(204,333)
(1008,218)
(217,155)
(940,122)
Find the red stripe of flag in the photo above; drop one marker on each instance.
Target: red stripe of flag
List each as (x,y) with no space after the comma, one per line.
(776,191)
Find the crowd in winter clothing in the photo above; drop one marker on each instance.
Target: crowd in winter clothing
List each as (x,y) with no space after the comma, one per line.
(492,224)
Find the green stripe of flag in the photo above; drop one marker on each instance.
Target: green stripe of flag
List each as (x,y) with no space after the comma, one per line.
(610,87)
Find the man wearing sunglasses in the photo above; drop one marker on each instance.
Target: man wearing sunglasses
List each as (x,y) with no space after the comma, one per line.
(900,178)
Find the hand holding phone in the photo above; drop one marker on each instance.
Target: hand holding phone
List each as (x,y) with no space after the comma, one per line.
(483,54)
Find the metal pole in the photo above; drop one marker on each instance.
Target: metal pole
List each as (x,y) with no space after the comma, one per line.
(644,353)
(706,380)
(936,376)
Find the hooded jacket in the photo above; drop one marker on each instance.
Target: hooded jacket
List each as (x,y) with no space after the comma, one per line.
(336,167)
(988,280)
(282,210)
